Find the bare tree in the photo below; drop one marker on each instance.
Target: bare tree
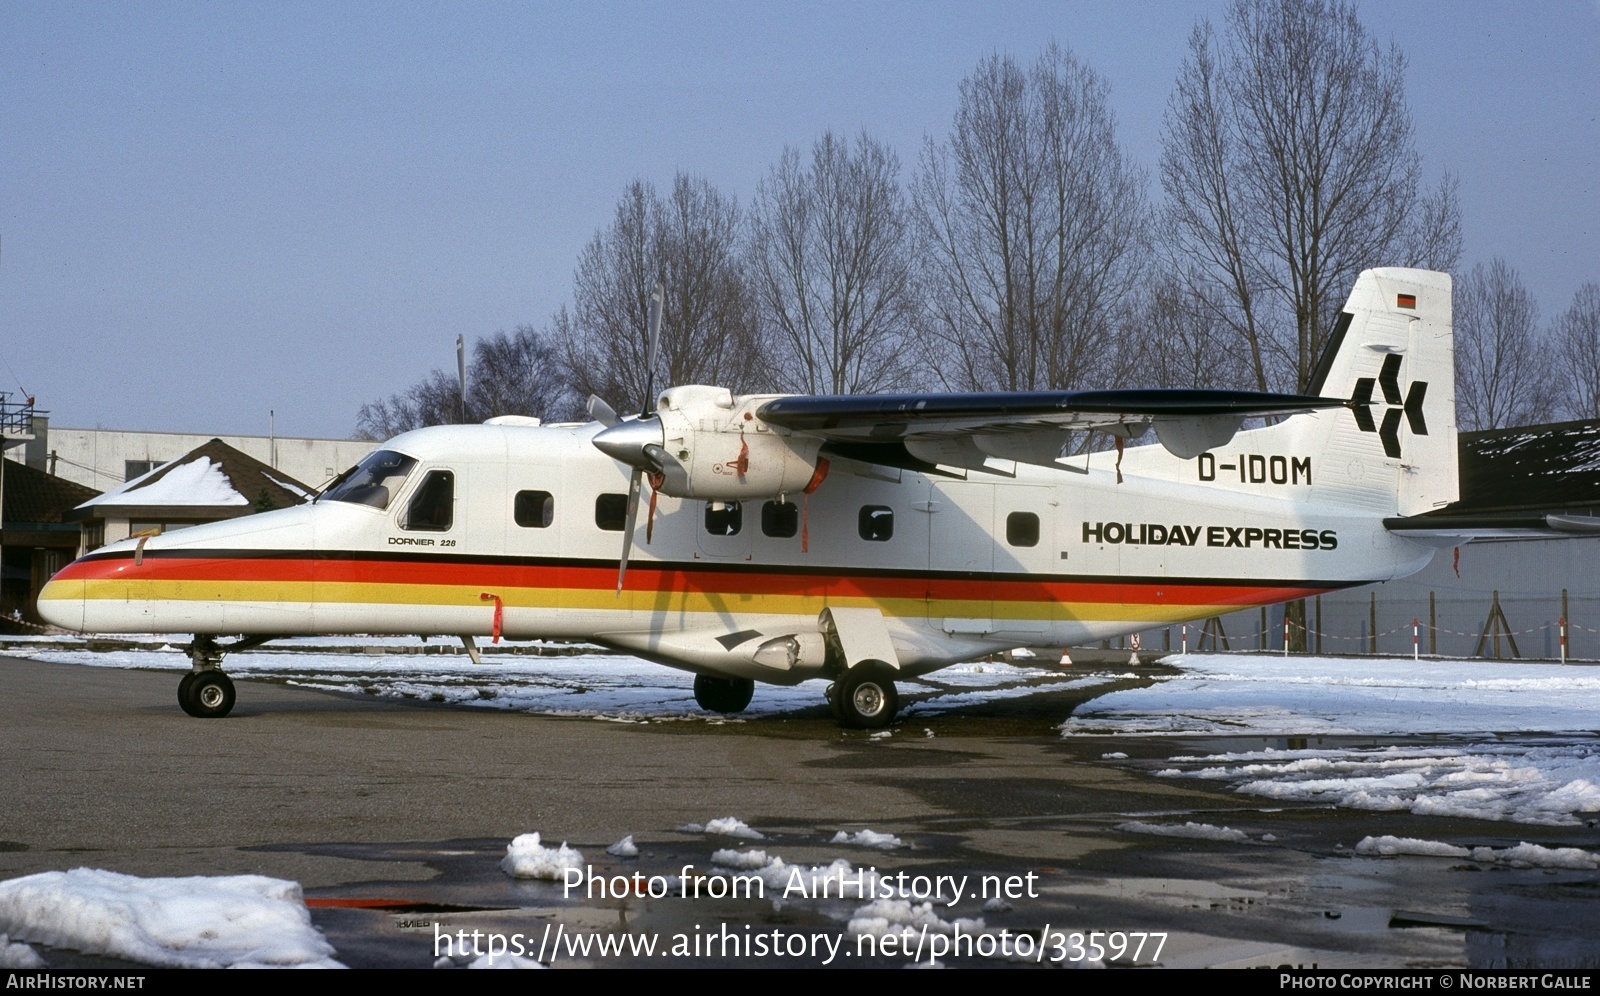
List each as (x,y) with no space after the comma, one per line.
(831,264)
(1180,340)
(1033,221)
(512,373)
(1289,167)
(689,241)
(1504,376)
(1576,336)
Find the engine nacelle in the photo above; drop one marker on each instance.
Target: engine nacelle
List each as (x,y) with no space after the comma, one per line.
(718,449)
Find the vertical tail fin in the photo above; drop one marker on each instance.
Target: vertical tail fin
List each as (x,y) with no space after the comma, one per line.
(1393,355)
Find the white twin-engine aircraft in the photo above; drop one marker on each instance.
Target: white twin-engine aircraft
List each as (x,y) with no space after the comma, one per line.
(858,539)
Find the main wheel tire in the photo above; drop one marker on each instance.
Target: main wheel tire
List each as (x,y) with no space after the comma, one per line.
(206,695)
(723,694)
(866,697)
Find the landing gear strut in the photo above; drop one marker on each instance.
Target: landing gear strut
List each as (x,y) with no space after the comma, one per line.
(205,692)
(723,694)
(864,698)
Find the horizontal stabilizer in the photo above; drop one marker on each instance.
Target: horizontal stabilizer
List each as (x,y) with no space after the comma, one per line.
(1469,527)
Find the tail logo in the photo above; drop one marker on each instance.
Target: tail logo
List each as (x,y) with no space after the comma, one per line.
(1389,379)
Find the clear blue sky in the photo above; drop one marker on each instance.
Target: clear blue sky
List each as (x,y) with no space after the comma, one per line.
(212,210)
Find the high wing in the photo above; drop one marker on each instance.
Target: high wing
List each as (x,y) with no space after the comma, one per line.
(1028,426)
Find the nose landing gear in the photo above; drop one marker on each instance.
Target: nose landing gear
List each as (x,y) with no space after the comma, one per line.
(205,692)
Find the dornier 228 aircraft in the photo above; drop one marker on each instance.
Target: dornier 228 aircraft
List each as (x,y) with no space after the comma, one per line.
(861,539)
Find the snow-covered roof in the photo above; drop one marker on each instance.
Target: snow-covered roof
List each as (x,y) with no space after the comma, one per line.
(1553,466)
(212,476)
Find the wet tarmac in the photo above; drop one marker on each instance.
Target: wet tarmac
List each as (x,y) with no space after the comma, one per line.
(394,816)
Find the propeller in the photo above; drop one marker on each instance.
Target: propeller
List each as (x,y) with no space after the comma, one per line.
(631,441)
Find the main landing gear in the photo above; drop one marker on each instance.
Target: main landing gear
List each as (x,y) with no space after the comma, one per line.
(864,698)
(205,692)
(727,695)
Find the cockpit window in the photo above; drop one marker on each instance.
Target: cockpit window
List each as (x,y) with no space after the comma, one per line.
(433,506)
(373,481)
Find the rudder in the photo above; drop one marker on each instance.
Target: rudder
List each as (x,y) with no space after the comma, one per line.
(1393,355)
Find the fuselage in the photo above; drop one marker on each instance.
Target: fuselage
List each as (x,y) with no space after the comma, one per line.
(516,530)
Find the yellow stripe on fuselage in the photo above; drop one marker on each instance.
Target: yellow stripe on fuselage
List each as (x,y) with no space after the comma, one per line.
(335,593)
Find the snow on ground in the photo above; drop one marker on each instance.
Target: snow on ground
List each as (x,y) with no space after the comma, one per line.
(1311,696)
(239,921)
(1540,779)
(597,684)
(624,848)
(869,838)
(1550,783)
(1195,831)
(1524,855)
(527,858)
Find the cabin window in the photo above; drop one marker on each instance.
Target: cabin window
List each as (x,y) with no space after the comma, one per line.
(724,518)
(534,509)
(373,481)
(780,519)
(1022,529)
(432,508)
(611,512)
(876,523)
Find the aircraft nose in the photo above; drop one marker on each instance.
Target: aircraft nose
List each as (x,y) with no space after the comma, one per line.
(61,603)
(625,442)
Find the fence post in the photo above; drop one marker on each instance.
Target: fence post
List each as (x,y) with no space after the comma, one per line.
(1319,624)
(1185,637)
(1286,634)
(1414,628)
(1372,625)
(1433,629)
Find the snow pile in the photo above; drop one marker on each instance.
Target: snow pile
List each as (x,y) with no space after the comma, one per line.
(527,858)
(1196,831)
(869,838)
(503,961)
(241,921)
(883,917)
(1387,846)
(727,857)
(18,955)
(624,848)
(728,826)
(1524,855)
(199,482)
(1523,783)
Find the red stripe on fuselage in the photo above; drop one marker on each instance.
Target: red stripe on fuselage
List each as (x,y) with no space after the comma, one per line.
(672,580)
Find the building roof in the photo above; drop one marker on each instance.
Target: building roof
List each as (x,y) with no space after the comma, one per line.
(1536,467)
(32,496)
(210,480)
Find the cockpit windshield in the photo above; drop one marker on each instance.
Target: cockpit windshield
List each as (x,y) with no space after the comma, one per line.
(373,481)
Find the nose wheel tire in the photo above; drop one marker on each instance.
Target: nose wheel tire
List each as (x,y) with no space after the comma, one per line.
(723,694)
(865,697)
(206,694)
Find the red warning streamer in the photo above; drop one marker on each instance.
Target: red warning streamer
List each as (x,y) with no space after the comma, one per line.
(499,614)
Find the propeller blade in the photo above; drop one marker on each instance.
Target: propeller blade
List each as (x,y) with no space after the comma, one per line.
(600,411)
(652,349)
(627,529)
